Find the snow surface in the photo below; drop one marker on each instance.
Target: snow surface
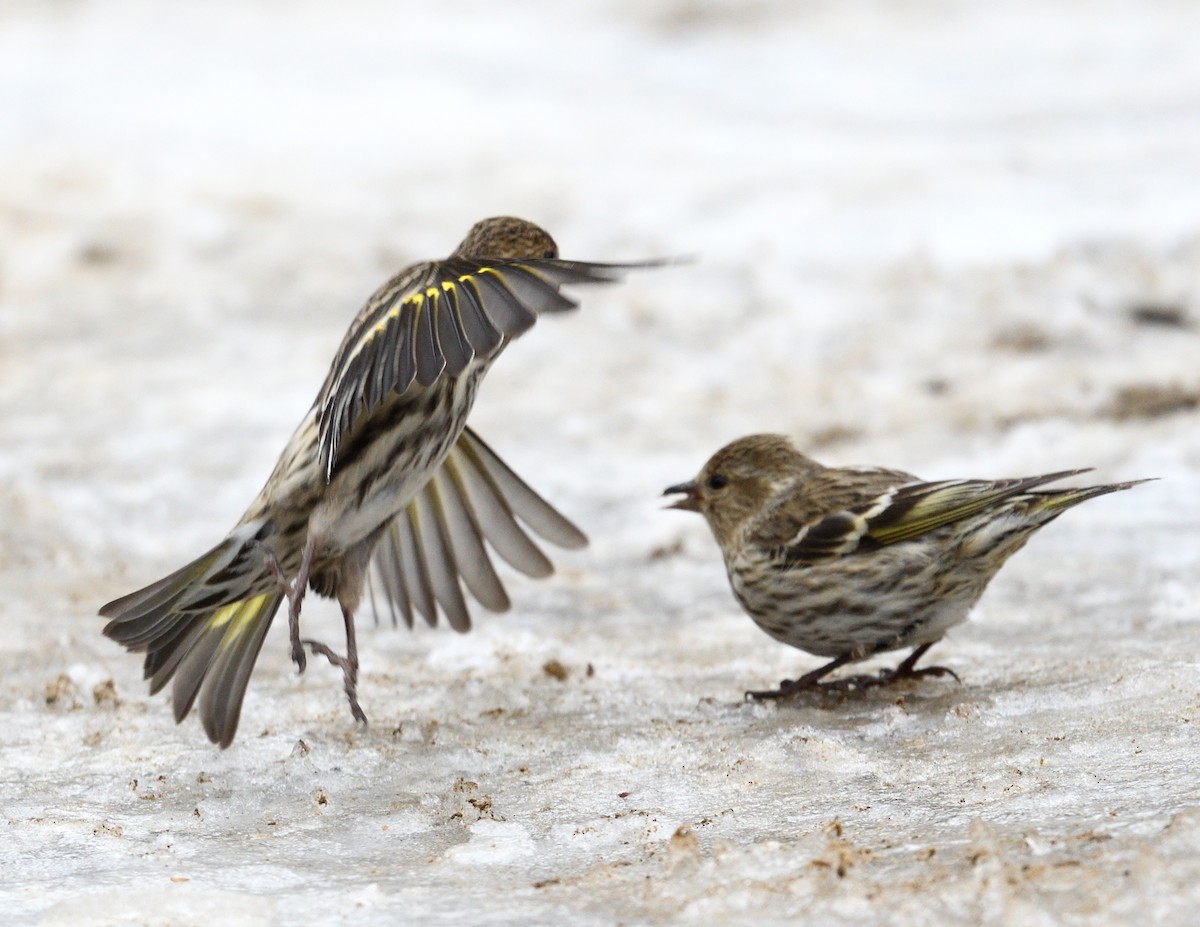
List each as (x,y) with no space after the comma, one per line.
(958,238)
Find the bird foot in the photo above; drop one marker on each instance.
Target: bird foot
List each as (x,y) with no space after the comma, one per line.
(349,675)
(902,672)
(887,677)
(789,687)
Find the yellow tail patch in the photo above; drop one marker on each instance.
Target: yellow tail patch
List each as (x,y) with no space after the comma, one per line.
(239,616)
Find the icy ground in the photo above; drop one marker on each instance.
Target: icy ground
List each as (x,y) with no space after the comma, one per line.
(962,239)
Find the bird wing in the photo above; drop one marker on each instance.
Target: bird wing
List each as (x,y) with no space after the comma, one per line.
(431,321)
(903,511)
(473,497)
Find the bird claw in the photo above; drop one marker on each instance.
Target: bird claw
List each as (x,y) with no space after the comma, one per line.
(300,660)
(349,675)
(885,677)
(900,673)
(762,695)
(789,687)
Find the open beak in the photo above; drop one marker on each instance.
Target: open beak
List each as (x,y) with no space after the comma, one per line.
(691,499)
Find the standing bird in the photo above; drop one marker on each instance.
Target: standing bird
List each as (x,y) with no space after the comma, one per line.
(850,562)
(382,480)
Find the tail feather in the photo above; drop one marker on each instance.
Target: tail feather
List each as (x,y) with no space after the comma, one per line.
(192,669)
(1056,501)
(229,673)
(203,627)
(162,662)
(149,628)
(163,592)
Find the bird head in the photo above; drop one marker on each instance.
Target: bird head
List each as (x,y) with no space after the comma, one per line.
(506,238)
(739,481)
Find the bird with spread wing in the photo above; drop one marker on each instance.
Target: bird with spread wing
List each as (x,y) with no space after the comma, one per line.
(381,484)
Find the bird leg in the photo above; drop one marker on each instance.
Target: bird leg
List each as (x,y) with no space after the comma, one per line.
(905,669)
(294,591)
(886,677)
(809,681)
(296,598)
(295,594)
(347,664)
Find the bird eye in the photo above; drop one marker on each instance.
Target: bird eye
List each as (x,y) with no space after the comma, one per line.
(716,481)
(549,254)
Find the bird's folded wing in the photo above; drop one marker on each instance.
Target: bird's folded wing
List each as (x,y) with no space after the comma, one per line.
(904,512)
(433,320)
(473,498)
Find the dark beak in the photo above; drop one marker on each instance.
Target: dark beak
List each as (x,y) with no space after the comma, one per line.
(691,500)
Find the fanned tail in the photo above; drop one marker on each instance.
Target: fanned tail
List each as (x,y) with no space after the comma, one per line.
(203,625)
(438,539)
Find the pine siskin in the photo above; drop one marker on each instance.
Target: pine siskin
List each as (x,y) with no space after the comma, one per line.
(846,563)
(381,480)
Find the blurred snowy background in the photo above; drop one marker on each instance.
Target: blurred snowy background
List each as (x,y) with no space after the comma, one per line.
(961,239)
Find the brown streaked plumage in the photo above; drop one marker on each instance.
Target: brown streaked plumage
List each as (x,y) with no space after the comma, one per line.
(382,479)
(849,562)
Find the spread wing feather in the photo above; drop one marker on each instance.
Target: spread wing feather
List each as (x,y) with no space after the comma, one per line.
(439,539)
(434,320)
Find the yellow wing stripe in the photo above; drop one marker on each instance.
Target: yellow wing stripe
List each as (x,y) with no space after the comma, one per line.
(942,507)
(417,300)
